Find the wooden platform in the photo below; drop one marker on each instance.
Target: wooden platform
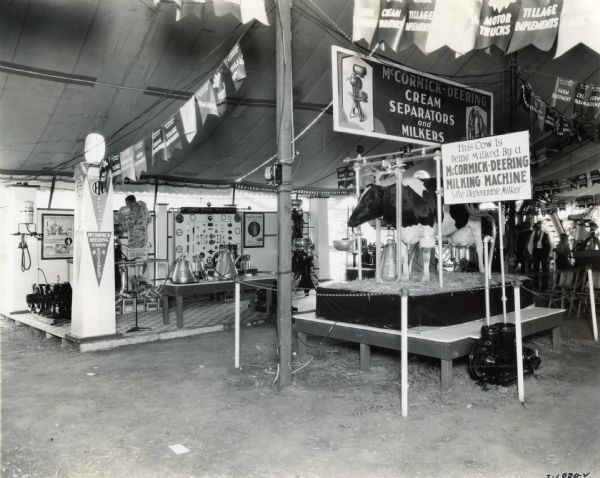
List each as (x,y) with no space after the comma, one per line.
(444,343)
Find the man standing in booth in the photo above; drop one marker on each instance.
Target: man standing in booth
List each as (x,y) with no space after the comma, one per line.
(539,250)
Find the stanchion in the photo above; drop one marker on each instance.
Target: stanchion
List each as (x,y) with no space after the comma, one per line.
(404,350)
(519,341)
(237,324)
(501,253)
(378,239)
(486,260)
(399,168)
(592,303)
(357,169)
(438,191)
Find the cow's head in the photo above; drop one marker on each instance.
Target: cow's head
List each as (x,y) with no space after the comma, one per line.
(370,206)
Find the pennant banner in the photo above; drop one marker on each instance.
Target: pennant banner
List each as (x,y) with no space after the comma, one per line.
(496,23)
(418,21)
(127,166)
(158,146)
(172,138)
(207,101)
(236,66)
(587,102)
(99,243)
(390,23)
(188,119)
(455,24)
(365,20)
(115,165)
(139,158)
(579,22)
(563,96)
(537,24)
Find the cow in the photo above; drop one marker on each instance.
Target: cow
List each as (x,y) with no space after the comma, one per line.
(419,204)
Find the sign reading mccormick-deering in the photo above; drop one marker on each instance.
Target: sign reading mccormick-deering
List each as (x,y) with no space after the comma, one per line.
(386,100)
(487,169)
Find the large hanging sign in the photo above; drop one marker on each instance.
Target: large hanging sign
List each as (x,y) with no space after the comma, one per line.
(99,243)
(487,169)
(389,101)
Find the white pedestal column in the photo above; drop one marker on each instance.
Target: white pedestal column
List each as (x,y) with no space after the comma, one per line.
(93,310)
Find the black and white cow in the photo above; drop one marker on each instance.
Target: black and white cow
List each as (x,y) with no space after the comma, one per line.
(419,204)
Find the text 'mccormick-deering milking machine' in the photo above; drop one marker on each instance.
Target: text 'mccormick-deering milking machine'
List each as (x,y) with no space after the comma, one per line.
(493,357)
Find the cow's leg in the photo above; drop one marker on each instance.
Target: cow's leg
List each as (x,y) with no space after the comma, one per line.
(404,256)
(426,257)
(475,225)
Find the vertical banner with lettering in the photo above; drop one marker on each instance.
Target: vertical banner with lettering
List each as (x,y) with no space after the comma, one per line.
(171,137)
(364,20)
(418,20)
(537,24)
(158,146)
(127,166)
(390,24)
(563,96)
(496,23)
(587,102)
(207,101)
(454,24)
(139,158)
(395,102)
(218,84)
(115,165)
(235,63)
(188,119)
(489,169)
(99,243)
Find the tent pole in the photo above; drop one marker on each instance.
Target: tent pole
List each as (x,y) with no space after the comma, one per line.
(51,191)
(285,137)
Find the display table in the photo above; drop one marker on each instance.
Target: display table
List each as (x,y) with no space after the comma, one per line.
(444,343)
(179,291)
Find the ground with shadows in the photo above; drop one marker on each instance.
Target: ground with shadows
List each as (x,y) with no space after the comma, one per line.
(116,413)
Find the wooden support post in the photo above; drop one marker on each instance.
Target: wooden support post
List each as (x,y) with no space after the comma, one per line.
(404,350)
(556,339)
(446,374)
(519,341)
(590,276)
(237,325)
(285,151)
(501,234)
(439,193)
(365,357)
(486,260)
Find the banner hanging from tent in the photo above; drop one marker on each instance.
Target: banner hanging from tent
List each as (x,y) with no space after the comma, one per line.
(139,158)
(510,25)
(390,101)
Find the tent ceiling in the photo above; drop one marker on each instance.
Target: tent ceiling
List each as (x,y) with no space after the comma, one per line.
(69,67)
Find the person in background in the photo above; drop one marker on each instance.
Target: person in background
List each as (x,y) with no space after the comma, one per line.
(523,233)
(563,255)
(591,243)
(539,248)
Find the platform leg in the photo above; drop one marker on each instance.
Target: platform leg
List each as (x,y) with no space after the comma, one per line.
(269,301)
(301,344)
(365,357)
(556,339)
(252,293)
(446,368)
(179,309)
(165,299)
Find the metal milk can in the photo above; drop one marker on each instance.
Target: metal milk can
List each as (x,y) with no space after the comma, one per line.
(389,266)
(182,274)
(225,265)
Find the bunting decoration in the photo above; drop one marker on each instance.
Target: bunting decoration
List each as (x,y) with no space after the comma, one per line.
(464,25)
(171,137)
(188,119)
(139,158)
(211,98)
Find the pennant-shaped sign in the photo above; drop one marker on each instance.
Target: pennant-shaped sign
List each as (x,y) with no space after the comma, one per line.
(235,63)
(139,158)
(538,107)
(99,243)
(223,7)
(127,166)
(158,146)
(418,21)
(455,24)
(192,7)
(587,101)
(98,191)
(536,24)
(218,83)
(496,23)
(364,21)
(172,138)
(253,9)
(207,101)
(390,24)
(115,165)
(188,119)
(579,22)
(563,96)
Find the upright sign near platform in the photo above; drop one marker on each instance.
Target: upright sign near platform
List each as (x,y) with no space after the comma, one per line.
(487,169)
(390,101)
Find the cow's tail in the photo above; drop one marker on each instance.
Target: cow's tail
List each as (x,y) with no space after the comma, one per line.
(474,212)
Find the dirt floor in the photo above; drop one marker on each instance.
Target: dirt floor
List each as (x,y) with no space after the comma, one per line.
(116,413)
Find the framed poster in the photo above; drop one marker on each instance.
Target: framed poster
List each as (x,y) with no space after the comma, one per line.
(57,234)
(254,229)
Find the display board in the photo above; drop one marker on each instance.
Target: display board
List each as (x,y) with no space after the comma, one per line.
(203,230)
